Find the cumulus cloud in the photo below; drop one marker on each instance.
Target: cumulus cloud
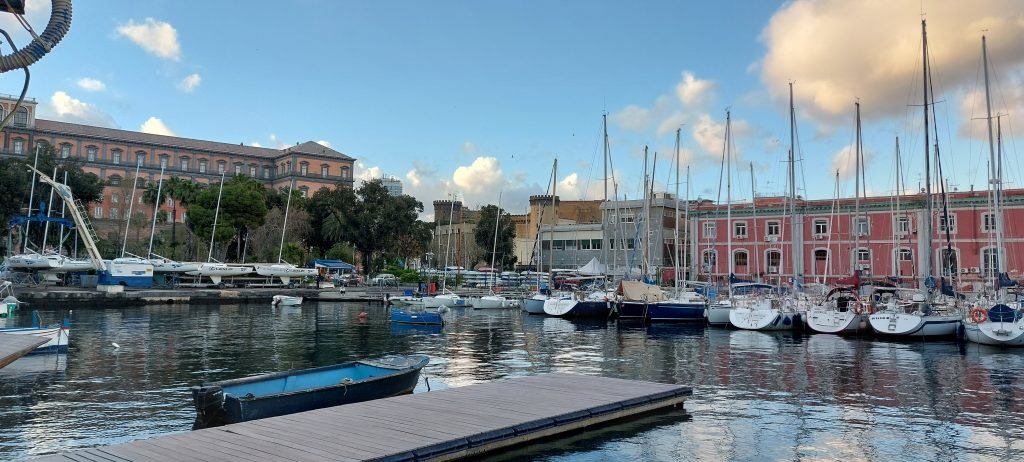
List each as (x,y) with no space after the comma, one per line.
(366,173)
(190,83)
(483,174)
(468,147)
(91,84)
(256,144)
(156,126)
(824,47)
(845,161)
(68,109)
(638,118)
(692,91)
(670,124)
(324,143)
(158,38)
(1007,98)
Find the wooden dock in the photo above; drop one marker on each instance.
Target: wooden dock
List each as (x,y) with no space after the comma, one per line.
(438,425)
(14,346)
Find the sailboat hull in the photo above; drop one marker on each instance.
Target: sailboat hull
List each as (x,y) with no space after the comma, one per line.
(535,304)
(830,321)
(676,312)
(1009,334)
(914,325)
(572,308)
(764,319)
(718,314)
(491,302)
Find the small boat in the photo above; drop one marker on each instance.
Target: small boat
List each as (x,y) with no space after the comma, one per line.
(286,300)
(164,265)
(578,305)
(534,304)
(416,316)
(282,393)
(840,312)
(56,335)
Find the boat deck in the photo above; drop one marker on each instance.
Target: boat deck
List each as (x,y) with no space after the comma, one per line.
(14,346)
(438,425)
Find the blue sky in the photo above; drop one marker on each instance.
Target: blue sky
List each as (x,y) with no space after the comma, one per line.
(474,98)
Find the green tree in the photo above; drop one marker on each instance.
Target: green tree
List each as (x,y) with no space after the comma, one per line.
(242,208)
(484,236)
(370,218)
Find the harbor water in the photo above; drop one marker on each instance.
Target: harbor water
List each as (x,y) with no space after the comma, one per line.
(756,396)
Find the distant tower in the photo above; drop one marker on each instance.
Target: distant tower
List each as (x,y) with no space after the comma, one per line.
(445,210)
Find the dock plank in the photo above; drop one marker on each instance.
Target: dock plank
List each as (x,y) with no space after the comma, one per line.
(442,424)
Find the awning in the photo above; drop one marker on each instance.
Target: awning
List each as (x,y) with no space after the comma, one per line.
(333,264)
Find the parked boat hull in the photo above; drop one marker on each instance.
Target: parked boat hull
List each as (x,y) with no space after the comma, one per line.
(58,337)
(830,321)
(914,325)
(718,314)
(764,319)
(534,304)
(416,317)
(289,392)
(995,333)
(669,311)
(490,302)
(572,308)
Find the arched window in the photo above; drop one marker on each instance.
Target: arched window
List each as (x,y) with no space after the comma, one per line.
(709,261)
(65,150)
(164,159)
(304,168)
(740,258)
(221,165)
(238,168)
(202,165)
(18,146)
(773,258)
(345,173)
(20,118)
(325,170)
(114,180)
(90,153)
(184,163)
(115,156)
(140,158)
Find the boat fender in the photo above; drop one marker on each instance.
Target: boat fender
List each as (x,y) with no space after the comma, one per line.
(978,315)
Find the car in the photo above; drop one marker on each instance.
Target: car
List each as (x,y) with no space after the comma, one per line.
(384,279)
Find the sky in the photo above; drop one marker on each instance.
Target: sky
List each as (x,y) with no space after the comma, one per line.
(471,99)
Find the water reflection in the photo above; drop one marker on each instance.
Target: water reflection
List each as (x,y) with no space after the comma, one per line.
(757,395)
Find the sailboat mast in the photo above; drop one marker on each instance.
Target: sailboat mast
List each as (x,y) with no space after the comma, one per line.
(156,209)
(284,224)
(995,168)
(32,197)
(728,190)
(216,214)
(494,247)
(796,222)
(856,200)
(926,223)
(675,216)
(554,217)
(753,206)
(604,124)
(898,216)
(46,227)
(686,220)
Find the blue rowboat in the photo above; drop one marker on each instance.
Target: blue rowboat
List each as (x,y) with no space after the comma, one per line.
(281,393)
(416,316)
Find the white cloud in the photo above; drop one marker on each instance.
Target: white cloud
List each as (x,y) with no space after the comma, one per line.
(68,109)
(468,147)
(845,161)
(276,143)
(156,126)
(633,117)
(824,47)
(91,84)
(324,143)
(367,173)
(1007,98)
(256,144)
(670,124)
(483,174)
(189,83)
(692,91)
(156,37)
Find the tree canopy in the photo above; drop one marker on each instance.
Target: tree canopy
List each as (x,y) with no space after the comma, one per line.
(242,208)
(484,236)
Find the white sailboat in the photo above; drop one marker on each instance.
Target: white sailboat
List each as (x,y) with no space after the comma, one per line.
(994,319)
(213,269)
(841,310)
(720,311)
(282,269)
(778,310)
(535,303)
(493,300)
(928,314)
(446,298)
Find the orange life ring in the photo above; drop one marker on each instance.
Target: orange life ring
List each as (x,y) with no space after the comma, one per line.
(978,315)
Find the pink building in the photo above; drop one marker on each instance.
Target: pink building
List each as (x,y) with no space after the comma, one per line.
(885,242)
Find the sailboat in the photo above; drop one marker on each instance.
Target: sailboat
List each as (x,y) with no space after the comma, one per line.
(927,314)
(493,300)
(535,303)
(841,311)
(995,320)
(778,310)
(446,298)
(213,269)
(719,312)
(282,269)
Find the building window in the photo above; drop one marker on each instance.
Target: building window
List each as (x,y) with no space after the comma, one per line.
(65,150)
(627,217)
(774,259)
(584,244)
(709,230)
(949,261)
(630,244)
(820,227)
(163,162)
(238,169)
(303,169)
(97,212)
(140,159)
(115,156)
(904,255)
(902,225)
(740,229)
(947,223)
(114,213)
(740,259)
(304,191)
(221,166)
(709,260)
(774,229)
(20,118)
(19,146)
(115,180)
(202,165)
(90,153)
(821,255)
(140,183)
(115,198)
(862,227)
(324,170)
(595,244)
(252,171)
(345,173)
(988,222)
(989,262)
(863,255)
(266,172)
(184,164)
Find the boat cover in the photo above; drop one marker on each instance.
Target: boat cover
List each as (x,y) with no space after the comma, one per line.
(636,290)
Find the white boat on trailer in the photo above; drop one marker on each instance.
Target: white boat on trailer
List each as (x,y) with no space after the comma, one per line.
(285,271)
(216,271)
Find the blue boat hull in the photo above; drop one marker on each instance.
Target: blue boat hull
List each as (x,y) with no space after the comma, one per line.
(589,309)
(676,312)
(283,393)
(416,317)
